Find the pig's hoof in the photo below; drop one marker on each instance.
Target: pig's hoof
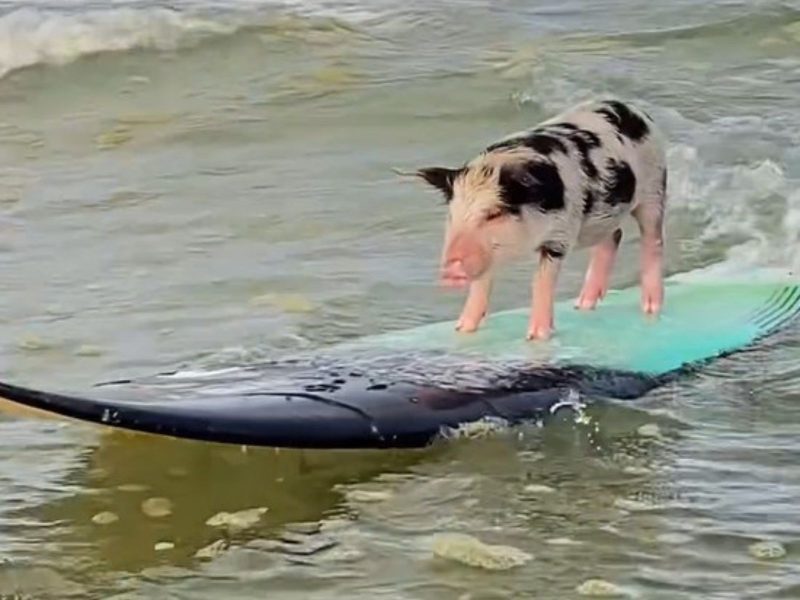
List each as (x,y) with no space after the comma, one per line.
(539,332)
(651,308)
(651,303)
(588,299)
(465,325)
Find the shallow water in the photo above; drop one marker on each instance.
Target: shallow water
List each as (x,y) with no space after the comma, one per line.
(211,184)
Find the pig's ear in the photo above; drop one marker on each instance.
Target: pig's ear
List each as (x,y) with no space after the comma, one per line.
(441,178)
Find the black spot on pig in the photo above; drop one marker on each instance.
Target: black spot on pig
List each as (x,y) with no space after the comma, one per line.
(542,143)
(565,126)
(620,183)
(588,201)
(532,183)
(545,144)
(584,142)
(553,250)
(625,121)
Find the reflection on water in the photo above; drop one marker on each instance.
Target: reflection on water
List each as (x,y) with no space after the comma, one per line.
(200,480)
(519,487)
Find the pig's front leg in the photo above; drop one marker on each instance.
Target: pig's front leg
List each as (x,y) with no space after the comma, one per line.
(476,305)
(540,326)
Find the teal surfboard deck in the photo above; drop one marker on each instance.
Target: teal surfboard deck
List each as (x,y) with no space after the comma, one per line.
(405,388)
(700,320)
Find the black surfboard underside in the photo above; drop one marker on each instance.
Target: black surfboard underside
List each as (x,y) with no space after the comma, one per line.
(351,410)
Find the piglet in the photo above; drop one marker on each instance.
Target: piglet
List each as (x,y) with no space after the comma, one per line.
(564,184)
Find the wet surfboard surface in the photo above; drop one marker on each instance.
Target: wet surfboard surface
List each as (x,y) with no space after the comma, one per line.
(406,388)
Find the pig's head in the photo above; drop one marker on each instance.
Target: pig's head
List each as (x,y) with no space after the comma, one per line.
(485,222)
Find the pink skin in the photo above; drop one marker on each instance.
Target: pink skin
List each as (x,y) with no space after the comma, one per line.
(468,261)
(651,264)
(540,325)
(651,260)
(477,305)
(601,263)
(465,259)
(651,225)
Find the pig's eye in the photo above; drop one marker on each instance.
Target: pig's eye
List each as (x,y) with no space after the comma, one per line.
(494,215)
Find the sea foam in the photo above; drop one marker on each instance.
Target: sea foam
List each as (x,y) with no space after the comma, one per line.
(32,36)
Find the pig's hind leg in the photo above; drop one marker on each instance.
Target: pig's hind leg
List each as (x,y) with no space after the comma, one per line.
(601,263)
(476,305)
(650,217)
(649,210)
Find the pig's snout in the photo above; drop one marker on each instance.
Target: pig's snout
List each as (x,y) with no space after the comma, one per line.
(465,259)
(454,274)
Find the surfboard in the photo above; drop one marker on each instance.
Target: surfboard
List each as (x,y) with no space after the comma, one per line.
(410,387)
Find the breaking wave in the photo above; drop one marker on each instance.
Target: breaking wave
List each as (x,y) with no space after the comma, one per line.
(34,35)
(31,36)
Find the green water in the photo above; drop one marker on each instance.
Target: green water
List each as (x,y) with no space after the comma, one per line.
(232,199)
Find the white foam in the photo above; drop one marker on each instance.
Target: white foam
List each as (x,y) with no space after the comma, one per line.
(791,232)
(721,182)
(30,36)
(734,201)
(60,32)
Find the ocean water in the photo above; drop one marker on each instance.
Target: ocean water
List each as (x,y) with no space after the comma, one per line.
(207,183)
